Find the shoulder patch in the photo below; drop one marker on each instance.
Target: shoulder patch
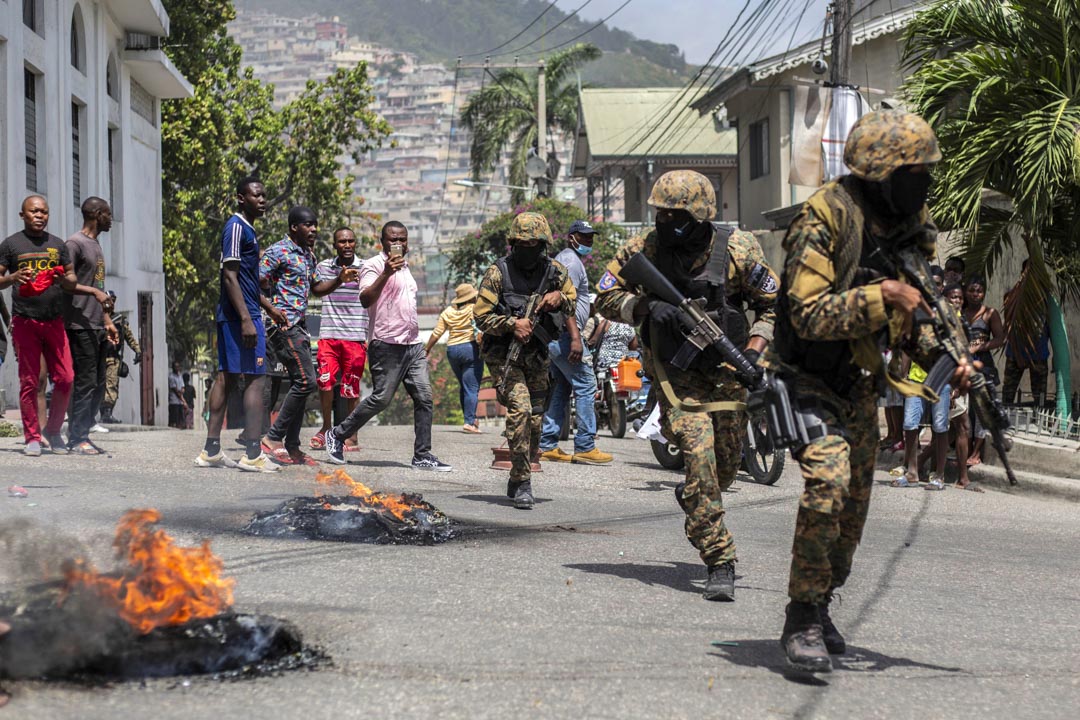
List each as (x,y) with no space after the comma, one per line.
(762,279)
(607,281)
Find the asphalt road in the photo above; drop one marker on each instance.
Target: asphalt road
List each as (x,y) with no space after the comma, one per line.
(960,605)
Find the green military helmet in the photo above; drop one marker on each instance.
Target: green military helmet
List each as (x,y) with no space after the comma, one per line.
(529,225)
(885,140)
(685,190)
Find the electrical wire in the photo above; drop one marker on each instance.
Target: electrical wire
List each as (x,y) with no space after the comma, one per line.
(580,35)
(520,33)
(449,144)
(555,27)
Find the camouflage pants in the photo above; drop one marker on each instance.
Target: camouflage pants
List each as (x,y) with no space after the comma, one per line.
(112,383)
(711,444)
(838,473)
(526,390)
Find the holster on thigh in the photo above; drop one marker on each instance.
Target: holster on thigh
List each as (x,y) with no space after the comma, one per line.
(538,400)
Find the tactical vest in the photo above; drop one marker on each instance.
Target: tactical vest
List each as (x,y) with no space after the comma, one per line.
(517,288)
(728,312)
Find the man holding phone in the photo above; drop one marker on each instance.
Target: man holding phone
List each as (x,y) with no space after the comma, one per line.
(395,354)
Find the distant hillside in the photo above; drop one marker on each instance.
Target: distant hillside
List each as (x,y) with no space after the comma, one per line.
(441,30)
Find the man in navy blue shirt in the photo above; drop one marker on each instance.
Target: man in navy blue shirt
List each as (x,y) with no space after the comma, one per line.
(241,336)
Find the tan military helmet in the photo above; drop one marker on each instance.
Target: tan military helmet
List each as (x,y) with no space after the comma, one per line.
(529,225)
(685,190)
(885,140)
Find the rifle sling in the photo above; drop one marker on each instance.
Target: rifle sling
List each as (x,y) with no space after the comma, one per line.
(690,405)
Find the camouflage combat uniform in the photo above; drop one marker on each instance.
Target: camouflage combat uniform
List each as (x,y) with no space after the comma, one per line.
(833,325)
(711,442)
(527,384)
(113,357)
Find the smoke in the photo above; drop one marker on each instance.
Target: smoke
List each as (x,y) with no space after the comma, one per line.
(53,631)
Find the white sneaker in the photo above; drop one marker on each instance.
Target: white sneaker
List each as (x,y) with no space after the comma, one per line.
(33,448)
(99,428)
(259,464)
(221,460)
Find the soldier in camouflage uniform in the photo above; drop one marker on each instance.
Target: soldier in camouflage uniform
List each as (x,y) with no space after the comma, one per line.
(114,356)
(838,307)
(499,315)
(706,415)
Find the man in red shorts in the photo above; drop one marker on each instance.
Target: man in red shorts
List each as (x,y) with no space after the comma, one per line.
(342,335)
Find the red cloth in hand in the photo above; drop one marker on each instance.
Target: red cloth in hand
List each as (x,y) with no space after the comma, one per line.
(41,283)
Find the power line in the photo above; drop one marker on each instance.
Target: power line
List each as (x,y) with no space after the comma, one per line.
(520,33)
(555,27)
(449,145)
(580,35)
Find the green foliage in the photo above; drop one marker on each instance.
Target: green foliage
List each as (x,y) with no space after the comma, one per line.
(8,430)
(477,251)
(442,30)
(444,391)
(503,113)
(999,83)
(230,129)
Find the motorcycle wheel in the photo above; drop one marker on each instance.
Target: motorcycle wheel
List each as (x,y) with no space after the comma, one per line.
(763,462)
(617,415)
(668,455)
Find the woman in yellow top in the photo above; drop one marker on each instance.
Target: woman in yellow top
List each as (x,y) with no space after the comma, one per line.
(462,350)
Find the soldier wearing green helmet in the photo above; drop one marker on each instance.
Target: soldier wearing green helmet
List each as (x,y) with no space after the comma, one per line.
(526,271)
(839,306)
(703,407)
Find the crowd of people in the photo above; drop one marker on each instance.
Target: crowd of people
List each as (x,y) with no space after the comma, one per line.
(820,324)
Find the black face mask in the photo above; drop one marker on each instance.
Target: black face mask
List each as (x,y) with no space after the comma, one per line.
(673,235)
(527,258)
(908,191)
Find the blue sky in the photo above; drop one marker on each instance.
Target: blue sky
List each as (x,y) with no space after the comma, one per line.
(697,26)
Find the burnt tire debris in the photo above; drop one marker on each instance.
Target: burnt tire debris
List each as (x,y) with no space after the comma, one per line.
(354,519)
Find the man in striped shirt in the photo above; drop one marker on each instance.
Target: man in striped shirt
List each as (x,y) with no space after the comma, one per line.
(342,335)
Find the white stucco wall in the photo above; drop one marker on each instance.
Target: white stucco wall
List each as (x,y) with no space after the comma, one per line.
(133,246)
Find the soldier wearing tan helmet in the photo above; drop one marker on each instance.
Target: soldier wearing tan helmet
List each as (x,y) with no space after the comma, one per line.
(504,293)
(702,408)
(839,306)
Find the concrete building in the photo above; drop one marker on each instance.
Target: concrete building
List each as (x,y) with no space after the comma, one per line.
(621,161)
(82,83)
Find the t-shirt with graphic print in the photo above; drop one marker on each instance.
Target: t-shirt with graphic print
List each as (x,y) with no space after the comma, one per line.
(41,254)
(291,272)
(84,312)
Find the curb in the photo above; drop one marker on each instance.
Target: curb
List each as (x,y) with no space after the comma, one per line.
(993,478)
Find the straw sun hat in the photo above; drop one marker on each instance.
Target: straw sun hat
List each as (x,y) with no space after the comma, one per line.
(464,293)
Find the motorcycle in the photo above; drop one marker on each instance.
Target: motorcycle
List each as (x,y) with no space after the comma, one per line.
(761,460)
(619,401)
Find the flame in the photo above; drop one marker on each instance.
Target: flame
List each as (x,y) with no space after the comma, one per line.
(396,505)
(161,584)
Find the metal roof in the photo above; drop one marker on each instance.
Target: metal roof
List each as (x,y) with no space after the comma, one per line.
(634,122)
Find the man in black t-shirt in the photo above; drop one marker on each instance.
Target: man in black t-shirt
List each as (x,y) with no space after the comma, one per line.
(39,265)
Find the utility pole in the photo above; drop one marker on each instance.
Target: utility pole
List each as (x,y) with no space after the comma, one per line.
(541,113)
(842,11)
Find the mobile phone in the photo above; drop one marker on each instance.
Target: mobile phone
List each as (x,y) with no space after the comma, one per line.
(396,249)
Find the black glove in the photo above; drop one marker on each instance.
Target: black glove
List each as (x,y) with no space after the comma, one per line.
(665,315)
(751,355)
(137,359)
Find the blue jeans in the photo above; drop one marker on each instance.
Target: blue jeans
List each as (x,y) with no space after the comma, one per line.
(582,379)
(468,367)
(939,412)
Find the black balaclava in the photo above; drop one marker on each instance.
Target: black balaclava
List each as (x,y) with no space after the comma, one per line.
(682,241)
(527,258)
(901,195)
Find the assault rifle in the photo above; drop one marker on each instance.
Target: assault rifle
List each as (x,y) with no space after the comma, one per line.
(906,258)
(530,313)
(768,393)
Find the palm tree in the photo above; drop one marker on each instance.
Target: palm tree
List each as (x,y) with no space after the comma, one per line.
(503,113)
(999,80)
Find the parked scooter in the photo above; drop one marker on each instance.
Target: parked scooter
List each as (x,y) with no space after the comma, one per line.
(620,398)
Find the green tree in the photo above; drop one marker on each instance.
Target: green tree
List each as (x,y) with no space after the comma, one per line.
(475,253)
(503,114)
(229,129)
(999,80)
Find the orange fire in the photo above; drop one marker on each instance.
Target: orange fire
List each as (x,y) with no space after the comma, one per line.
(160,584)
(395,504)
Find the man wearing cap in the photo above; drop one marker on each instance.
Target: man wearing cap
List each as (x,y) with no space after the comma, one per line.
(572,365)
(342,335)
(287,274)
(462,350)
(505,291)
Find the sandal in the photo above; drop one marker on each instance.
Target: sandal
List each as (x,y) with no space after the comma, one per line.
(907,480)
(299,457)
(937,482)
(84,448)
(279,455)
(318,441)
(898,471)
(352,448)
(971,487)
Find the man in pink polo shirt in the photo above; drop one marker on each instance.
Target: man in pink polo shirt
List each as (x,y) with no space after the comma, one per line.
(395,354)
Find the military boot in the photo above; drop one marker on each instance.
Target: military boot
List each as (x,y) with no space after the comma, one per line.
(802,641)
(834,641)
(523,497)
(721,583)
